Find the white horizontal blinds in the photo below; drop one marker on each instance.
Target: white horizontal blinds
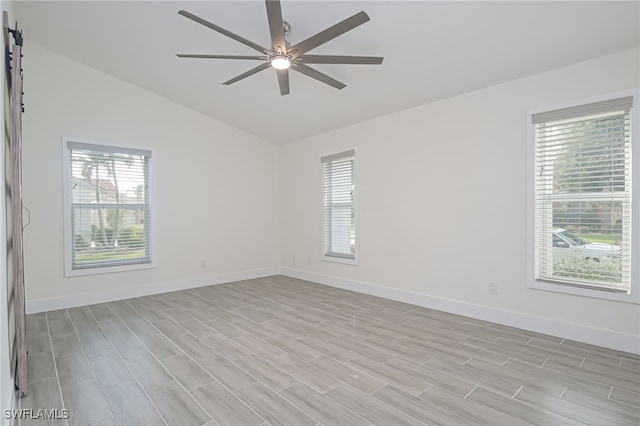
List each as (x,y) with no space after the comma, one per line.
(110,213)
(339,205)
(583,195)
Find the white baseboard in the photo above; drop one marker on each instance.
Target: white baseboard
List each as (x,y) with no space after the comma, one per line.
(595,336)
(110,295)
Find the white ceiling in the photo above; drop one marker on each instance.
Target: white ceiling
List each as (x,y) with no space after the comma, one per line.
(432,50)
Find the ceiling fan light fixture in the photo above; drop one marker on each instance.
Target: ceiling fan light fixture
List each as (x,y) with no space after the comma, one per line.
(280,62)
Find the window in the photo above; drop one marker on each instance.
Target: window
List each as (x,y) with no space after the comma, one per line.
(339,207)
(107,208)
(582,221)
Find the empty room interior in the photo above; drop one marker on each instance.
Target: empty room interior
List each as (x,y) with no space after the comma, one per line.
(320,213)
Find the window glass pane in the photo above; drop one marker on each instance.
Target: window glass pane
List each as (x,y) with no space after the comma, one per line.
(339,206)
(121,239)
(592,237)
(110,211)
(582,191)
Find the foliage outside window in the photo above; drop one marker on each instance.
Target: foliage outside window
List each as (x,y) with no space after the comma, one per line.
(339,207)
(583,195)
(108,207)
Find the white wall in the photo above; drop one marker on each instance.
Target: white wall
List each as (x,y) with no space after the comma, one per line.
(442,205)
(441,196)
(216,187)
(6,375)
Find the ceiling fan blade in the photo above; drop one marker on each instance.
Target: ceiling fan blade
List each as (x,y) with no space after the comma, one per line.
(310,72)
(276,26)
(257,58)
(251,72)
(283,81)
(223,31)
(335,59)
(330,33)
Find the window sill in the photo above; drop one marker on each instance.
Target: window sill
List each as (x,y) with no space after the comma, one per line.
(586,292)
(340,260)
(107,269)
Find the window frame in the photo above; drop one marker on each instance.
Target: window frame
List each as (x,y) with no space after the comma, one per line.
(633,296)
(68,211)
(337,259)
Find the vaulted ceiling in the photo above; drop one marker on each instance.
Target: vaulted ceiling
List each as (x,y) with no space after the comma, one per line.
(432,50)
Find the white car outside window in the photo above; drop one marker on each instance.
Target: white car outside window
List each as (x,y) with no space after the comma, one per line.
(566,246)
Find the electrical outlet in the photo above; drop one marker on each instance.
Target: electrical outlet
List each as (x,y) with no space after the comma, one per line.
(309,260)
(203,264)
(293,258)
(493,288)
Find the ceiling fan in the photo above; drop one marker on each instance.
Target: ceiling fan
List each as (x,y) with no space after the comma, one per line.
(283,56)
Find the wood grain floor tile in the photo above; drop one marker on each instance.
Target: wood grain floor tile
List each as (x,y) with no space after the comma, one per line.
(85,403)
(260,347)
(111,422)
(306,373)
(570,409)
(520,410)
(615,371)
(408,349)
(40,366)
(114,327)
(225,407)
(58,314)
(198,328)
(596,376)
(170,328)
(468,409)
(520,353)
(41,395)
(321,408)
(417,408)
(129,404)
(347,374)
(177,406)
(187,371)
(36,323)
(268,374)
(628,397)
(148,371)
(38,342)
(518,376)
(96,344)
(433,376)
(362,348)
(263,351)
(226,372)
(294,348)
(73,368)
(61,326)
(193,347)
(102,312)
(558,377)
(613,409)
(109,369)
(276,410)
(327,348)
(128,345)
(374,411)
(64,344)
(500,384)
(158,344)
(226,347)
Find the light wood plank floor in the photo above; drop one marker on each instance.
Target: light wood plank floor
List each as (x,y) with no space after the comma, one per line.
(284,351)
